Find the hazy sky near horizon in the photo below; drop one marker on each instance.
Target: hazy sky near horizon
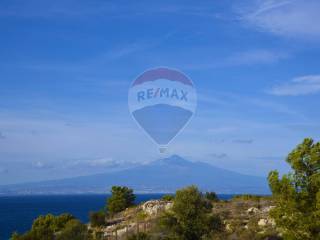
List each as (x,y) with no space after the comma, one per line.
(66,67)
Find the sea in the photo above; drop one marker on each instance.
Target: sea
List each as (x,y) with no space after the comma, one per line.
(18,212)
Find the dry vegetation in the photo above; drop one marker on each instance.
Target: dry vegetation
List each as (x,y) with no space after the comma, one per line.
(244,217)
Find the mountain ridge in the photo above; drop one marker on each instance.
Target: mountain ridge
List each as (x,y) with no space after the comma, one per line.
(163,175)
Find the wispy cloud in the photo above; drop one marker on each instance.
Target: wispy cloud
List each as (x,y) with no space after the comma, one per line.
(218,155)
(230,101)
(293,18)
(246,57)
(307,127)
(101,162)
(243,141)
(41,165)
(273,106)
(257,56)
(303,85)
(223,129)
(96,64)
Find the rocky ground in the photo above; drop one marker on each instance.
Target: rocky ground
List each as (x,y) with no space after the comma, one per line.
(141,218)
(247,219)
(243,219)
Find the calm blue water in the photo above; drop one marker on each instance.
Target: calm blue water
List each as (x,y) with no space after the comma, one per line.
(18,212)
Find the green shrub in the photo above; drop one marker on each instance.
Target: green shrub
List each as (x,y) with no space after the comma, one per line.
(246,197)
(190,218)
(121,198)
(212,196)
(139,236)
(97,219)
(52,227)
(168,197)
(74,230)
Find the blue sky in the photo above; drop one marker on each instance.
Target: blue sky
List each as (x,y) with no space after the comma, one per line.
(66,67)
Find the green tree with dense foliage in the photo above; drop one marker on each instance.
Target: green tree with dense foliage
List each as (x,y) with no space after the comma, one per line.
(51,223)
(121,198)
(297,194)
(50,227)
(190,218)
(212,196)
(74,230)
(97,219)
(168,197)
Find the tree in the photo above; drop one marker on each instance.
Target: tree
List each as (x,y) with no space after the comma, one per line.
(15,236)
(44,226)
(62,220)
(297,194)
(97,219)
(168,197)
(49,226)
(74,230)
(190,218)
(121,198)
(212,196)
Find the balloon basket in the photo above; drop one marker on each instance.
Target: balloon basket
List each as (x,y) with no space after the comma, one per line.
(163,149)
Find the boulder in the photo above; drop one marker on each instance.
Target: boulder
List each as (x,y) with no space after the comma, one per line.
(267,209)
(154,207)
(266,221)
(229,227)
(253,210)
(263,222)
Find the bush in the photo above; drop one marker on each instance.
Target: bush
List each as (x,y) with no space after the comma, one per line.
(139,236)
(212,196)
(52,227)
(47,226)
(74,230)
(247,197)
(215,224)
(121,198)
(190,218)
(168,197)
(98,219)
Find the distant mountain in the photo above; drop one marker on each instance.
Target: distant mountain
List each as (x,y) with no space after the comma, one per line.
(164,175)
